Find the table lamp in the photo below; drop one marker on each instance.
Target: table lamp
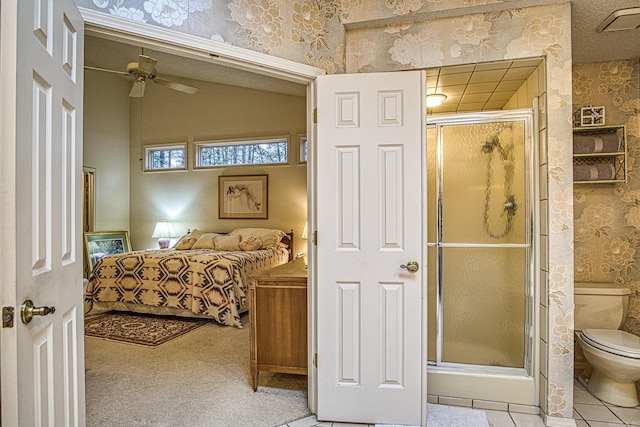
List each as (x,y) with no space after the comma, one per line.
(163,231)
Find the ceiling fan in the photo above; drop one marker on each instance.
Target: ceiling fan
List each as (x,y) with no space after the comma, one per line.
(144,70)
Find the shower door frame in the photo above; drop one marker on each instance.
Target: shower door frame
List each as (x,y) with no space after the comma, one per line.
(501,384)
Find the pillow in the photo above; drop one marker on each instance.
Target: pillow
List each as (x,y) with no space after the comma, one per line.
(187,242)
(227,243)
(206,241)
(251,244)
(270,237)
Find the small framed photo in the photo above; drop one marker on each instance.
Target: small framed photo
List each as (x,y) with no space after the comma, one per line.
(99,244)
(243,196)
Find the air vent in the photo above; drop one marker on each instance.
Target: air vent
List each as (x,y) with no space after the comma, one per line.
(620,20)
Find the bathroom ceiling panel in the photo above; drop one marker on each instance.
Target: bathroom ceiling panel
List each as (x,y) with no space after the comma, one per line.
(522,73)
(487,76)
(497,65)
(453,79)
(501,96)
(488,87)
(475,97)
(457,69)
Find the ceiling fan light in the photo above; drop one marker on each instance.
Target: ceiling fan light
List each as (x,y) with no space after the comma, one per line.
(435,99)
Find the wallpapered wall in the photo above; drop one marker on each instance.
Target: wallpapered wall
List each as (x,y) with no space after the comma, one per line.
(607,217)
(405,37)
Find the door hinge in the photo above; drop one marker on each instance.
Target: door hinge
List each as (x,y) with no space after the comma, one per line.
(315,360)
(7,317)
(315,237)
(315,115)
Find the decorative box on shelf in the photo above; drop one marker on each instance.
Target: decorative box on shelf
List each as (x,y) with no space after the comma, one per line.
(589,116)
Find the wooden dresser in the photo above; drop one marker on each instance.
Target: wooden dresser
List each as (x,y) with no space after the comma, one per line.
(278,320)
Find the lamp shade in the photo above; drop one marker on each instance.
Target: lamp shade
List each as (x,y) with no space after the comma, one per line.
(163,229)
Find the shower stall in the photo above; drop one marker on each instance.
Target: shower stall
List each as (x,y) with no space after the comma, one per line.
(481,258)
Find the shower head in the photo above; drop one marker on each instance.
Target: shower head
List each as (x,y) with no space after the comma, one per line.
(490,144)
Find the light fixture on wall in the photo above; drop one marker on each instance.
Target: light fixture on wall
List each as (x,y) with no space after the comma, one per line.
(304,232)
(163,231)
(435,99)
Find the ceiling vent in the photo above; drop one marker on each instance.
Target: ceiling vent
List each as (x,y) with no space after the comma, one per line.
(623,19)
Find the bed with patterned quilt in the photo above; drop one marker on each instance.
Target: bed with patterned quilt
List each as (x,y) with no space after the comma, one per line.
(203,275)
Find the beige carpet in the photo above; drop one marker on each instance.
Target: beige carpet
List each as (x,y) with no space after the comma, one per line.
(199,379)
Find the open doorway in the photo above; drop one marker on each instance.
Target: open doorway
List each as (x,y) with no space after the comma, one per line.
(121,127)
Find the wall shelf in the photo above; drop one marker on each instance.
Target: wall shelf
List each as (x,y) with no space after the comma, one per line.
(600,155)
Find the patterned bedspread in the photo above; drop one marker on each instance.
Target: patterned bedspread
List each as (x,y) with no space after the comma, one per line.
(199,283)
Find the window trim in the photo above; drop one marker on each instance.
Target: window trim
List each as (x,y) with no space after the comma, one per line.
(148,149)
(198,145)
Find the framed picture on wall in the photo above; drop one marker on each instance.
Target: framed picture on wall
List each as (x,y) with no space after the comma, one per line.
(243,196)
(99,244)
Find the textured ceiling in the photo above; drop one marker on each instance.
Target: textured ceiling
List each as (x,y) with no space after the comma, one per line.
(588,46)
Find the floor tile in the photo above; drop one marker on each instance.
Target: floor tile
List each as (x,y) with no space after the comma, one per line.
(630,416)
(304,422)
(583,396)
(581,423)
(499,419)
(595,413)
(527,420)
(604,424)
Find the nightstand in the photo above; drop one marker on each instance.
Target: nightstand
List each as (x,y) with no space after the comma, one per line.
(278,320)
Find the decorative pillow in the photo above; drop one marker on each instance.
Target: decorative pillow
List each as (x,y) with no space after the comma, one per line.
(270,237)
(227,243)
(251,244)
(206,241)
(187,242)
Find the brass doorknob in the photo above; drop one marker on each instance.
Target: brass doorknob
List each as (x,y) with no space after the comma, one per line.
(412,266)
(28,310)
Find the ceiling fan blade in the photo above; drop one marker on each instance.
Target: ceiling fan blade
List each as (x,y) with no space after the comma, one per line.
(137,90)
(177,86)
(146,64)
(124,73)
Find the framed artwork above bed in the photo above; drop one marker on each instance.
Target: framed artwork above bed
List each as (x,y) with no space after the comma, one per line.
(243,196)
(99,244)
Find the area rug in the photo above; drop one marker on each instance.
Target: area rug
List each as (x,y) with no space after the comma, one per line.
(141,329)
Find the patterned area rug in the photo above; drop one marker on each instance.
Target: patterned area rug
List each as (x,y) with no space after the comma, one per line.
(141,329)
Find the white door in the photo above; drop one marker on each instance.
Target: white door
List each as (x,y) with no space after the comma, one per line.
(371,328)
(42,364)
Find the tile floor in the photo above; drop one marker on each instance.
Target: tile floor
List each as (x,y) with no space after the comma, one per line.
(587,411)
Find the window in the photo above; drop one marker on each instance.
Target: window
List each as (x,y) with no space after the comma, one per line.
(165,157)
(302,152)
(247,152)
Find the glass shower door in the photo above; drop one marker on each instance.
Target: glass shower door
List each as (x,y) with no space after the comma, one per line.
(479,243)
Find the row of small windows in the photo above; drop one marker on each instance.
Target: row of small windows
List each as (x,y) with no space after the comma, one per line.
(272,151)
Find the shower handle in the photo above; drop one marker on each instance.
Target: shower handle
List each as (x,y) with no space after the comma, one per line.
(412,266)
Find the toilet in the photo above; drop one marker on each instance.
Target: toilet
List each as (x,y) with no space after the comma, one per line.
(613,355)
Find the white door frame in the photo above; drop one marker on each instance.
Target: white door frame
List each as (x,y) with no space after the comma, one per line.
(173,42)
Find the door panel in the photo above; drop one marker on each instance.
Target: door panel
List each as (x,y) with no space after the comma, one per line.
(41,260)
(371,366)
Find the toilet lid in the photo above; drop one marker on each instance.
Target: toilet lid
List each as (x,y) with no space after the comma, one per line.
(614,341)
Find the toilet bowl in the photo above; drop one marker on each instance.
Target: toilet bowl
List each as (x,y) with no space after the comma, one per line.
(615,358)
(613,355)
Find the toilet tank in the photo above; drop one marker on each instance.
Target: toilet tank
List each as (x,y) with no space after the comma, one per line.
(600,305)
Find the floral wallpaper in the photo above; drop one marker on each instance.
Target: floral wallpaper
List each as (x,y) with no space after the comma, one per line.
(388,35)
(306,31)
(607,217)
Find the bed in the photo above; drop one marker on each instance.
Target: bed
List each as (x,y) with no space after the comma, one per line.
(203,275)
